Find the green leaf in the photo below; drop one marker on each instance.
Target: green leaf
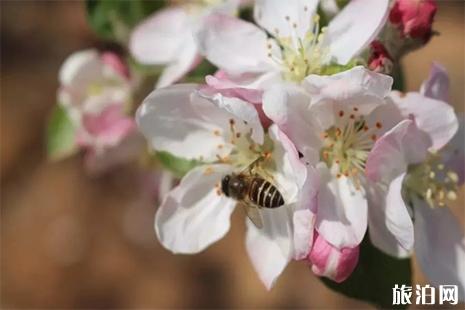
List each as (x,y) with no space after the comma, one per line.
(374,277)
(61,134)
(113,19)
(178,166)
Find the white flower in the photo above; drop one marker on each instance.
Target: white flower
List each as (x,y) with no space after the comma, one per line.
(298,46)
(224,134)
(430,186)
(346,126)
(165,38)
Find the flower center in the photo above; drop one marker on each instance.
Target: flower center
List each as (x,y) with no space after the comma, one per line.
(301,56)
(432,182)
(347,144)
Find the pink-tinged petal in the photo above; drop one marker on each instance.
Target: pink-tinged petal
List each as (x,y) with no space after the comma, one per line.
(437,84)
(357,87)
(330,262)
(80,68)
(270,248)
(288,107)
(279,17)
(402,145)
(110,126)
(342,210)
(234,45)
(354,28)
(440,246)
(389,223)
(116,63)
(159,38)
(187,59)
(195,214)
(436,118)
(304,215)
(222,83)
(176,120)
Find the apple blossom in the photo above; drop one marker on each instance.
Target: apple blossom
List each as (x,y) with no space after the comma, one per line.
(165,38)
(95,89)
(297,48)
(339,123)
(225,135)
(429,186)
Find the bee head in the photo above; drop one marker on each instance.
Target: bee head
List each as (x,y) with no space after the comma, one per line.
(234,186)
(225,184)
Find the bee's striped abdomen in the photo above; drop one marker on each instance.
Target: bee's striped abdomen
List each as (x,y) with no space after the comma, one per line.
(265,194)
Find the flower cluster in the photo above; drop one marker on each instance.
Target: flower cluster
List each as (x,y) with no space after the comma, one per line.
(298,123)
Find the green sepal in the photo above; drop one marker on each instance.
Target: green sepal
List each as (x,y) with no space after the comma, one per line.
(61,134)
(336,68)
(177,165)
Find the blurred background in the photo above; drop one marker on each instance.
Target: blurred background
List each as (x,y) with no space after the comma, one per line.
(70,240)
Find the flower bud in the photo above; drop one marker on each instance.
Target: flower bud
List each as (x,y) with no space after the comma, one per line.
(380,60)
(414,18)
(330,262)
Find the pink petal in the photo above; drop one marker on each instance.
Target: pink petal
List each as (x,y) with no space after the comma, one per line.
(110,126)
(331,262)
(116,63)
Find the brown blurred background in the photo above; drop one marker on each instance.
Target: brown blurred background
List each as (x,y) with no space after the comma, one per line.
(69,240)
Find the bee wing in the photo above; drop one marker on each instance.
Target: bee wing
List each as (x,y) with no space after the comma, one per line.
(253,213)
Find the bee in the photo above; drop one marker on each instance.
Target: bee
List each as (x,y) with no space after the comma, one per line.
(253,191)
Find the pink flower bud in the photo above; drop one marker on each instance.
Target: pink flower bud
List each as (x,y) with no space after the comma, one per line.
(380,60)
(330,262)
(414,17)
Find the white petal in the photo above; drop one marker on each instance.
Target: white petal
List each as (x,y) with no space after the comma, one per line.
(159,38)
(270,248)
(80,68)
(357,87)
(435,117)
(186,60)
(234,45)
(440,246)
(437,84)
(173,119)
(272,15)
(193,215)
(304,215)
(342,210)
(288,107)
(242,110)
(289,172)
(402,145)
(354,28)
(390,225)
